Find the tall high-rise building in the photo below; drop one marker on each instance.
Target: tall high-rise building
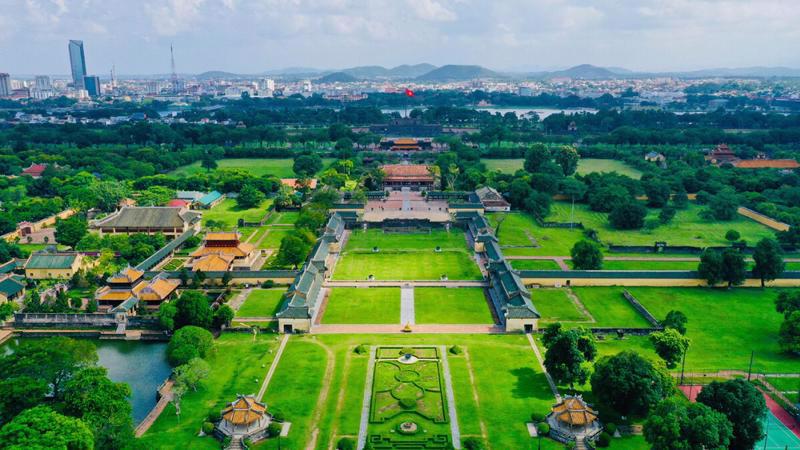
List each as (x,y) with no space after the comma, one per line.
(5,85)
(92,85)
(43,82)
(77,62)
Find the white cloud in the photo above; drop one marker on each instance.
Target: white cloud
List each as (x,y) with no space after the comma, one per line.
(171,17)
(431,10)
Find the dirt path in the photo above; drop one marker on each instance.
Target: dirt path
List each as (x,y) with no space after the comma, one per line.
(330,365)
(481,423)
(581,307)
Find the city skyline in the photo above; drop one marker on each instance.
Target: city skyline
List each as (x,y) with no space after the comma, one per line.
(252,37)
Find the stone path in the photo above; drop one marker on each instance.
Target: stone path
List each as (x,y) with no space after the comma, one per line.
(272,367)
(581,307)
(407,306)
(451,399)
(539,358)
(147,422)
(5,335)
(397,328)
(364,423)
(237,301)
(401,283)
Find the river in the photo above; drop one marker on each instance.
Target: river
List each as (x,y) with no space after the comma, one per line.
(142,365)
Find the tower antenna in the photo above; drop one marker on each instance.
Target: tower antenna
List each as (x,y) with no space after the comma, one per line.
(174,77)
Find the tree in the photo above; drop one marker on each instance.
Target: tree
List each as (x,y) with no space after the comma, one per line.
(538,204)
(103,405)
(710,267)
(586,255)
(20,393)
(742,404)
(187,343)
(208,162)
(628,215)
(226,278)
(567,157)
(535,157)
(667,214)
(293,250)
(723,206)
(565,361)
(789,334)
(732,235)
(192,308)
(70,231)
(657,193)
(192,373)
(166,315)
(249,197)
(629,383)
(787,303)
(307,165)
(675,320)
(680,199)
(670,345)
(41,427)
(223,316)
(734,267)
(54,360)
(769,260)
(676,425)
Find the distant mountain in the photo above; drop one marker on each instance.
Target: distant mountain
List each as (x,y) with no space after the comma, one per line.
(337,77)
(367,72)
(757,71)
(620,70)
(453,72)
(294,71)
(584,71)
(411,71)
(404,71)
(217,74)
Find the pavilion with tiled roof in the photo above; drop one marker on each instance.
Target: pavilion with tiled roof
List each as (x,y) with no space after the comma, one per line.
(243,418)
(223,251)
(413,176)
(128,288)
(572,418)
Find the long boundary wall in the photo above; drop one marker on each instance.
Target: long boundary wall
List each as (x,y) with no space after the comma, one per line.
(661,278)
(763,219)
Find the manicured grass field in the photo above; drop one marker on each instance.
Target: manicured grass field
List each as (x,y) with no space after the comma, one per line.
(786,385)
(281,168)
(283,218)
(609,307)
(793,266)
(174,264)
(725,326)
(410,265)
(687,228)
(534,264)
(551,241)
(555,306)
(366,240)
(451,305)
(589,165)
(238,365)
(504,165)
(363,305)
(273,238)
(229,213)
(261,303)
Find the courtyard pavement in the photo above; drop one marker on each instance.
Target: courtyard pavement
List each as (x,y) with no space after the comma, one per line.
(407,306)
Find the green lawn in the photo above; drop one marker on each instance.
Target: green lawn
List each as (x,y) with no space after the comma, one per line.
(786,385)
(589,165)
(174,264)
(283,218)
(366,240)
(261,303)
(555,306)
(273,238)
(238,366)
(534,264)
(504,165)
(687,228)
(550,241)
(229,213)
(725,326)
(793,266)
(451,305)
(281,168)
(407,265)
(609,307)
(363,305)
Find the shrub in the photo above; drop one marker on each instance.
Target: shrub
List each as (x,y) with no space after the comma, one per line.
(537,417)
(226,442)
(278,415)
(732,235)
(408,402)
(611,428)
(208,428)
(346,443)
(456,350)
(406,351)
(474,444)
(543,428)
(604,440)
(269,284)
(213,416)
(360,349)
(274,429)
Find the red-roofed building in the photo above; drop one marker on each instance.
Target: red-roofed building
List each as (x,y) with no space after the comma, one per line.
(767,164)
(178,203)
(413,176)
(295,183)
(35,170)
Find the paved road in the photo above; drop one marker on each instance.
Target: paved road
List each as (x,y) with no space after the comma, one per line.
(407,315)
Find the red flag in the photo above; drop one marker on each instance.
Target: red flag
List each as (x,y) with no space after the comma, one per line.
(409,92)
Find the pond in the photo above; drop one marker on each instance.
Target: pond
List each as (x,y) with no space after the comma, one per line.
(142,365)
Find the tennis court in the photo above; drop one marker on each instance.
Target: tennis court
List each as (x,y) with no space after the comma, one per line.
(779,436)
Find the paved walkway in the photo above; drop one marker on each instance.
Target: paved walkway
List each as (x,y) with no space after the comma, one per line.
(539,358)
(147,422)
(451,399)
(397,328)
(401,283)
(5,335)
(237,301)
(364,423)
(272,367)
(407,306)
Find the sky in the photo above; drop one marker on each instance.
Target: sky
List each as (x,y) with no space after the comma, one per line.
(252,36)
